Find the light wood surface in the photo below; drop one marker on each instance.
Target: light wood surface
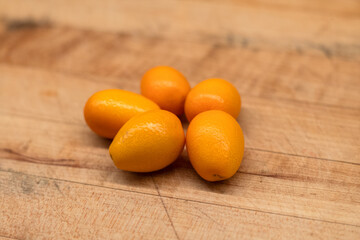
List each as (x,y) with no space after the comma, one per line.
(295,63)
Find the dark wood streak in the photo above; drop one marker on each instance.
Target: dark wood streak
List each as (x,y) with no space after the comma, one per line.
(19,156)
(182,162)
(24,23)
(64,162)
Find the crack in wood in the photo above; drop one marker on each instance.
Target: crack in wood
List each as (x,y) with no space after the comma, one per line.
(182,199)
(165,208)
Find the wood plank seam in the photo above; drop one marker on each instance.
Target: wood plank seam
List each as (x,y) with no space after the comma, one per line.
(182,199)
(285,185)
(276,176)
(165,208)
(86,184)
(25,158)
(35,161)
(297,155)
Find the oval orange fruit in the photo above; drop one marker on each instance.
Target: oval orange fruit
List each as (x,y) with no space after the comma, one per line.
(215,145)
(107,111)
(167,87)
(213,94)
(148,142)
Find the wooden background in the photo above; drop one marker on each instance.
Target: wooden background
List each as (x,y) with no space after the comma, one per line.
(295,63)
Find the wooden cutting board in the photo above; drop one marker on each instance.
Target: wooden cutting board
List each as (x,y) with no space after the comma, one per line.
(295,63)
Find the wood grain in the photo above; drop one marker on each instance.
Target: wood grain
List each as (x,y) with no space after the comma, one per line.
(336,31)
(288,75)
(296,126)
(82,211)
(266,182)
(295,63)
(77,210)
